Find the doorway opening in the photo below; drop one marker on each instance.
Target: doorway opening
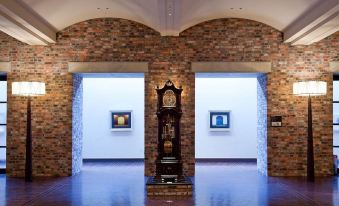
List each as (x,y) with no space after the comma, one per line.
(336,122)
(231,118)
(113,117)
(3,122)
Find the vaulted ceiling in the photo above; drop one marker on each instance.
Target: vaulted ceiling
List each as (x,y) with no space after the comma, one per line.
(36,21)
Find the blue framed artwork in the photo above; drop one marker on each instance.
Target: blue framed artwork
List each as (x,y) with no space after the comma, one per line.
(121,120)
(219,120)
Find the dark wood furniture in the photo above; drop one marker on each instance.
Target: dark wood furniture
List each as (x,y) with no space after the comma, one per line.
(169,178)
(168,163)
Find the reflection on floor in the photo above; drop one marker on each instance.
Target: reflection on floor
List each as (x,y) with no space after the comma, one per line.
(123,183)
(2,167)
(2,164)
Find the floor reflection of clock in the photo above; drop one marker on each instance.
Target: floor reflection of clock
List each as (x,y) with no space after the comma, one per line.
(168,99)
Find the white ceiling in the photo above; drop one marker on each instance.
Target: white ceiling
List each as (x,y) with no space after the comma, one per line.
(63,13)
(170,17)
(276,13)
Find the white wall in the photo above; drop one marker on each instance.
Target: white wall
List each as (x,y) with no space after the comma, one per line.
(336,117)
(115,93)
(3,114)
(222,92)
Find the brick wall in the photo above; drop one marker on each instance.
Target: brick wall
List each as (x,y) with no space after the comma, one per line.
(287,145)
(180,74)
(51,114)
(168,57)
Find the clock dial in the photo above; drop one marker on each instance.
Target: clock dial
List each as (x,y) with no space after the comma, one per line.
(169,99)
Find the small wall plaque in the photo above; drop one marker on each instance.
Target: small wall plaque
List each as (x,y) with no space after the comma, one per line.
(276,121)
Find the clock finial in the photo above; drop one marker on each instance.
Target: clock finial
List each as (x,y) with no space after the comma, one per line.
(169,83)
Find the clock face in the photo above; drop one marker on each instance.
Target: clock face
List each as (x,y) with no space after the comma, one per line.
(169,99)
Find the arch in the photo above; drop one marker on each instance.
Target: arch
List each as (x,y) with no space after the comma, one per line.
(146,27)
(113,19)
(213,20)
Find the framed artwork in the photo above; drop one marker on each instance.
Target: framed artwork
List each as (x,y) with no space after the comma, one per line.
(121,120)
(219,120)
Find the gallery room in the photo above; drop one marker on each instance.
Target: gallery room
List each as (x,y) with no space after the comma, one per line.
(169,102)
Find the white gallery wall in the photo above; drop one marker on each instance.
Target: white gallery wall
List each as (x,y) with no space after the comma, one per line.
(3,120)
(100,96)
(336,117)
(226,92)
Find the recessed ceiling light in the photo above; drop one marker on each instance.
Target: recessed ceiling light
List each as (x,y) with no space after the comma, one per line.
(240,8)
(169,10)
(232,8)
(98,8)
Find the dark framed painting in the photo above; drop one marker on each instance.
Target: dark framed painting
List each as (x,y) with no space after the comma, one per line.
(121,120)
(220,120)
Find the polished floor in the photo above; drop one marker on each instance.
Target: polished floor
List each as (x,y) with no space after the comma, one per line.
(123,184)
(2,163)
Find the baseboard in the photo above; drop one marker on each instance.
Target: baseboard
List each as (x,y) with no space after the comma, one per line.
(226,160)
(197,160)
(113,160)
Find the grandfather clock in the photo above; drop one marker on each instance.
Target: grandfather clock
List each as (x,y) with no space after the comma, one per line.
(168,163)
(169,179)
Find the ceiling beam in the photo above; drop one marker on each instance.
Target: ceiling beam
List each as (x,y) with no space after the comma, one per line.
(107,67)
(5,67)
(316,24)
(169,17)
(231,67)
(334,66)
(20,22)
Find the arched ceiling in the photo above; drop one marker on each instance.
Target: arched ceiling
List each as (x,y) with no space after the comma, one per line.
(296,18)
(63,13)
(276,13)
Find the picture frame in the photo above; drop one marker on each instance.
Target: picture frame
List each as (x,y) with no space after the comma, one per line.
(121,120)
(219,120)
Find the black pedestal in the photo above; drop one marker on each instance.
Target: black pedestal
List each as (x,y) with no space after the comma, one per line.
(156,188)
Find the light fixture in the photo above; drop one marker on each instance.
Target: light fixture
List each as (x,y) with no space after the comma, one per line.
(310,88)
(28,89)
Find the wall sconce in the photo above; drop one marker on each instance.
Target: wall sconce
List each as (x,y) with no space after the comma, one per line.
(28,89)
(310,88)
